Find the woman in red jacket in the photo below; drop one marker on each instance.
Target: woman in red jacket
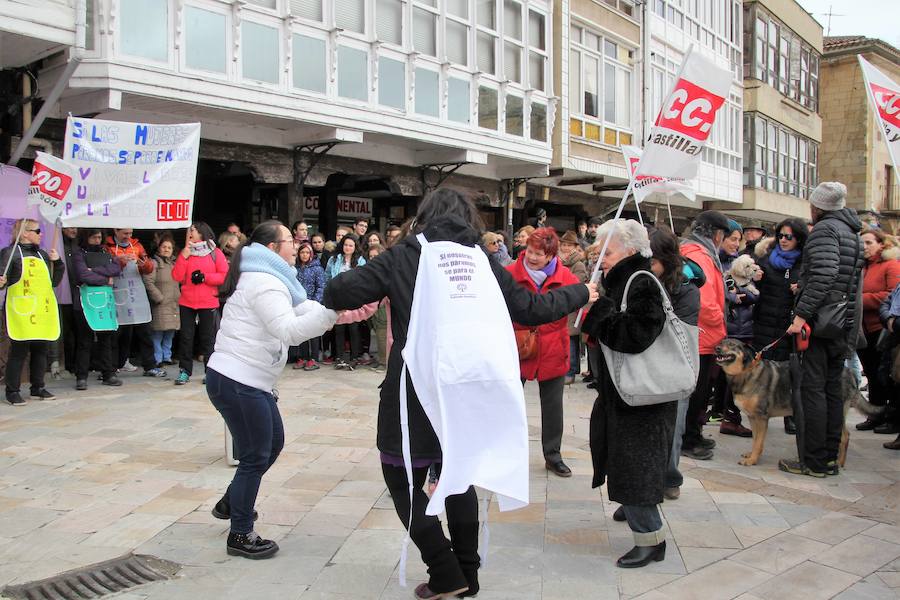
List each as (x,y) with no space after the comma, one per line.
(540,270)
(880,276)
(200,269)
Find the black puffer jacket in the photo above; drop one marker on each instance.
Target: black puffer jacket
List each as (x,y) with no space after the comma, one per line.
(394,275)
(832,261)
(772,313)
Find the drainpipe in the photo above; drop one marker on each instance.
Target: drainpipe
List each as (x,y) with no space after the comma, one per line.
(60,85)
(645,66)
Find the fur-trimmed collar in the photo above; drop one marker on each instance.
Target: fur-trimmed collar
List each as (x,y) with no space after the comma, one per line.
(763,246)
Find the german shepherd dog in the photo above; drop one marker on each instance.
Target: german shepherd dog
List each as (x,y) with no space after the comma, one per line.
(762,390)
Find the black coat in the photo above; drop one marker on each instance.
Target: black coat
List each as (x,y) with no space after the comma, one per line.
(394,275)
(630,446)
(772,313)
(832,262)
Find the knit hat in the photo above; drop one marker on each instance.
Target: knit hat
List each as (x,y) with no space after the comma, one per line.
(569,237)
(734,226)
(829,195)
(714,219)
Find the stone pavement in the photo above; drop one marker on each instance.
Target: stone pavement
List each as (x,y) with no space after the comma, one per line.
(97,474)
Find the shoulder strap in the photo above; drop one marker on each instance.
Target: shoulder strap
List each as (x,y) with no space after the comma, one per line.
(422,240)
(667,304)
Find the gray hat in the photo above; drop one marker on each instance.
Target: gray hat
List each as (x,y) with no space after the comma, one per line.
(713,219)
(829,195)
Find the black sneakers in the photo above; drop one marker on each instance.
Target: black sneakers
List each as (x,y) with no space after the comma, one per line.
(43,394)
(250,545)
(795,467)
(113,381)
(15,399)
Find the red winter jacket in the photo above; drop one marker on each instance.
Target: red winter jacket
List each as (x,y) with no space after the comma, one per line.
(880,276)
(200,295)
(552,358)
(712,298)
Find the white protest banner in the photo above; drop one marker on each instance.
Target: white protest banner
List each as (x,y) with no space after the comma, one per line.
(885,97)
(644,185)
(685,120)
(138,175)
(51,180)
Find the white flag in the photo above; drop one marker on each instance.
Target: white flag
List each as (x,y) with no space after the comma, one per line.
(51,180)
(684,123)
(885,97)
(644,185)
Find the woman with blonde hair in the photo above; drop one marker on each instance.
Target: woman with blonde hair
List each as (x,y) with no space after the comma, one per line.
(520,240)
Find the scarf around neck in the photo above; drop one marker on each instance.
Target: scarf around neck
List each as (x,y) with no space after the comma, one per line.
(201,248)
(541,275)
(256,258)
(710,249)
(782,260)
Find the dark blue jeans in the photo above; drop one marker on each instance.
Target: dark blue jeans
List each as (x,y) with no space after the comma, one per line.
(255,424)
(574,355)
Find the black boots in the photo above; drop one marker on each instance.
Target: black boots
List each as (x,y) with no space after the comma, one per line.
(222,509)
(790,426)
(640,556)
(250,545)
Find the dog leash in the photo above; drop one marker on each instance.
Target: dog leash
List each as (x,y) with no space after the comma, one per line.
(767,347)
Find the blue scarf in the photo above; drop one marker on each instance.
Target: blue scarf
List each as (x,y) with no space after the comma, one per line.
(782,260)
(541,275)
(256,258)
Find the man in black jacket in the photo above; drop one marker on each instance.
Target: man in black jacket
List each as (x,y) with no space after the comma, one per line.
(833,259)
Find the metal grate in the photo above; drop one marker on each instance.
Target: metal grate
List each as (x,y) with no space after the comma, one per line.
(95,581)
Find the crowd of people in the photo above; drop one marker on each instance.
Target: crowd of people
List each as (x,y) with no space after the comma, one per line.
(246,307)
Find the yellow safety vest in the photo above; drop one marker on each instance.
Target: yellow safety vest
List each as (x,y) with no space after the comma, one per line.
(31,311)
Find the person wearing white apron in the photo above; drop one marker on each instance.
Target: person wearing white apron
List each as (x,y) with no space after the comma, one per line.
(444,215)
(32,316)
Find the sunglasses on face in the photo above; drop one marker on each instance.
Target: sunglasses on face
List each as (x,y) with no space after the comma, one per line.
(38,230)
(785,236)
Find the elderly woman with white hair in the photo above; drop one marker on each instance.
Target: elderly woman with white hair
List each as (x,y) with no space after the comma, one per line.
(630,445)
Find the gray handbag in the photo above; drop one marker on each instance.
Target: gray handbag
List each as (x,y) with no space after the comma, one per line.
(666,371)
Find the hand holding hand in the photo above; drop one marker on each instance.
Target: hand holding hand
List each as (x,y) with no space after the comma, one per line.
(796,325)
(198,277)
(593,293)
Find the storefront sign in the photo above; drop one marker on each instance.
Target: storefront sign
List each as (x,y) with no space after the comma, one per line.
(138,175)
(348,207)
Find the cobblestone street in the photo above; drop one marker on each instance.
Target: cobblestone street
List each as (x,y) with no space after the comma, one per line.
(97,474)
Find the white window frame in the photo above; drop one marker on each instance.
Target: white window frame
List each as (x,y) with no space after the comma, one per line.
(214,7)
(171,58)
(519,44)
(330,87)
(545,53)
(435,11)
(403,58)
(469,24)
(405,25)
(272,23)
(353,44)
(494,34)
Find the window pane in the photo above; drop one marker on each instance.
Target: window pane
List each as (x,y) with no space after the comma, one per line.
(623,98)
(591,40)
(145,26)
(350,15)
(512,55)
(486,49)
(609,93)
(539,122)
(259,52)
(512,19)
(591,87)
(427,93)
(575,106)
(425,32)
(536,71)
(204,37)
(353,78)
(515,124)
(536,30)
(457,42)
(309,73)
(308,9)
(389,21)
(460,8)
(487,11)
(263,3)
(458,100)
(575,35)
(610,49)
(487,108)
(391,83)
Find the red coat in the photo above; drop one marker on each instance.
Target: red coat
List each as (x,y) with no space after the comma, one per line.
(200,295)
(552,358)
(134,249)
(880,276)
(712,298)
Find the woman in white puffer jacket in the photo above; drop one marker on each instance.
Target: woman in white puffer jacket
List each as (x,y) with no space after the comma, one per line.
(266,313)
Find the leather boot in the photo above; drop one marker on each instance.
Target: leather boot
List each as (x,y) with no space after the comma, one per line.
(790,427)
(250,545)
(222,509)
(640,556)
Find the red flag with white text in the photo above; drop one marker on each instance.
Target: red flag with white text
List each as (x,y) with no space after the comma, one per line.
(885,97)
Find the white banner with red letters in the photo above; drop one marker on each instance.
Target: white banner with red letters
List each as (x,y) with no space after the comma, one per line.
(51,180)
(685,120)
(885,97)
(644,185)
(138,175)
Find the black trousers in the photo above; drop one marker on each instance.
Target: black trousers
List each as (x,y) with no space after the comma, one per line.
(203,321)
(340,334)
(723,400)
(551,395)
(143,335)
(37,364)
(823,402)
(452,564)
(693,427)
(309,350)
(88,353)
(870,357)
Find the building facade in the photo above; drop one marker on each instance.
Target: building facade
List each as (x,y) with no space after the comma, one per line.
(853,148)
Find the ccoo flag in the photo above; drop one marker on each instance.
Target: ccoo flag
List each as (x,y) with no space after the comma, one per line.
(885,97)
(685,120)
(644,185)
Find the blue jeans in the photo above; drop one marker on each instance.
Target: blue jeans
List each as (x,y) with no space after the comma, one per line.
(255,424)
(645,523)
(574,355)
(162,345)
(673,475)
